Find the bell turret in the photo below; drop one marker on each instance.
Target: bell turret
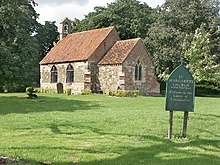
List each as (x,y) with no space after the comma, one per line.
(66,28)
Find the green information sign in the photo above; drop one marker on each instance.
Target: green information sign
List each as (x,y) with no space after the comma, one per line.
(180,90)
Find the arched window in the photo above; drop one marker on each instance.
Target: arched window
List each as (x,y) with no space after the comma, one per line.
(53,74)
(138,71)
(69,74)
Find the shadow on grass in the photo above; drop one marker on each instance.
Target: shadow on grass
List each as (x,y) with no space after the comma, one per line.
(164,153)
(168,153)
(160,151)
(13,104)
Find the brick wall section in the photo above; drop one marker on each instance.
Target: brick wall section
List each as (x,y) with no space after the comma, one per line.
(81,76)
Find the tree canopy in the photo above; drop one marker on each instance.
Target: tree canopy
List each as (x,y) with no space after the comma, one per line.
(19,48)
(46,36)
(176,19)
(201,61)
(130,17)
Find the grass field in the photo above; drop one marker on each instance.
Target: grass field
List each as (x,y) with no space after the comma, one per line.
(102,130)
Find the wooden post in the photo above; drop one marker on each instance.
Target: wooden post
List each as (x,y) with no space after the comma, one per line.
(170,129)
(185,119)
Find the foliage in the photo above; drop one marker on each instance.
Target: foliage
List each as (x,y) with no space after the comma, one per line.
(101,130)
(123,93)
(46,36)
(31,92)
(46,90)
(19,48)
(202,62)
(176,20)
(68,91)
(18,64)
(130,17)
(86,92)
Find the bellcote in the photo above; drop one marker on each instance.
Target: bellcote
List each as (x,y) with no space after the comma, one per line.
(66,27)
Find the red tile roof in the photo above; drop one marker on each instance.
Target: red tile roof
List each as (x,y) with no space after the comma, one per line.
(119,52)
(77,46)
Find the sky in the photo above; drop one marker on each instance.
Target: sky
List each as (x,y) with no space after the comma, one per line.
(56,10)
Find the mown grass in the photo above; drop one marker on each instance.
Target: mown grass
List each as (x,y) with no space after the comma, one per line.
(102,130)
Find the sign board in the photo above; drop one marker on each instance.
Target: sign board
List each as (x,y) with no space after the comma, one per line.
(180,90)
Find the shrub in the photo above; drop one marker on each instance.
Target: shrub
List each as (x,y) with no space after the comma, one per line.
(45,90)
(13,87)
(38,90)
(31,92)
(123,93)
(86,92)
(68,91)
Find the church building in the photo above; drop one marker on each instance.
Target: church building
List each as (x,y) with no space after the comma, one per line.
(100,61)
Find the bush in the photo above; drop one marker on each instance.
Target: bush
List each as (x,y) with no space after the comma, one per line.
(123,93)
(68,91)
(86,92)
(37,90)
(45,90)
(13,87)
(31,92)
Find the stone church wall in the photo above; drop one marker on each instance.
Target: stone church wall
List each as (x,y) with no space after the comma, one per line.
(111,77)
(148,84)
(81,76)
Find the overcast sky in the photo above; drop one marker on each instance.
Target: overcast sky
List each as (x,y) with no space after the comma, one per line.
(56,10)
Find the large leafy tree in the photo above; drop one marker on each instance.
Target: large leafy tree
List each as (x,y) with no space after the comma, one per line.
(23,43)
(18,48)
(46,36)
(178,19)
(130,17)
(201,60)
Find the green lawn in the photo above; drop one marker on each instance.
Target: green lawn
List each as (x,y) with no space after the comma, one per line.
(102,130)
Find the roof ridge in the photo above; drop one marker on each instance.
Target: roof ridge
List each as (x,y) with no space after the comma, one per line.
(86,41)
(131,39)
(86,31)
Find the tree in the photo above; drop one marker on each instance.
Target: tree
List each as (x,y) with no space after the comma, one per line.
(18,59)
(130,17)
(176,20)
(165,46)
(46,36)
(201,61)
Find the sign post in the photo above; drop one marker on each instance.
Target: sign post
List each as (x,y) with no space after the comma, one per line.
(180,91)
(185,119)
(170,129)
